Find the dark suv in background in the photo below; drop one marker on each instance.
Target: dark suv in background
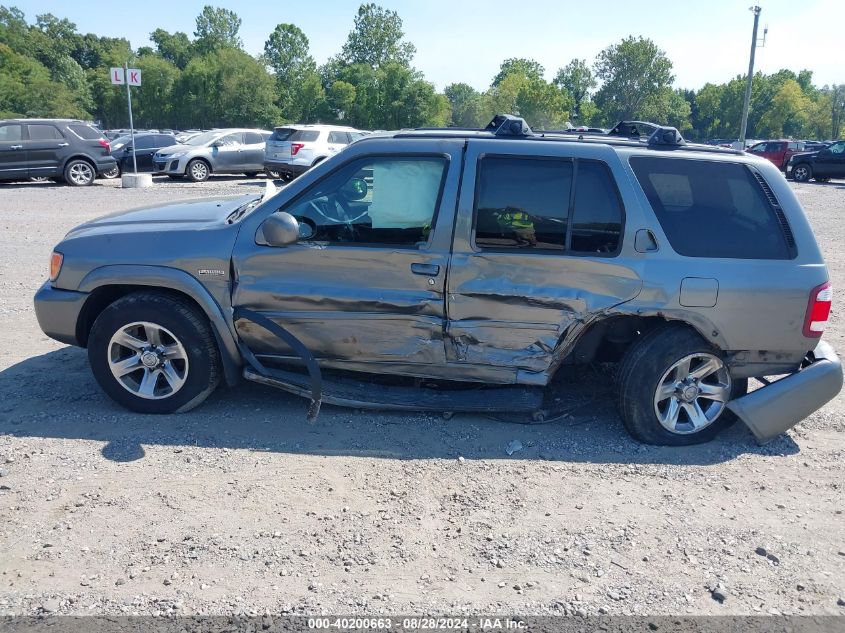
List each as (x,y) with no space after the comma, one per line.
(62,149)
(821,165)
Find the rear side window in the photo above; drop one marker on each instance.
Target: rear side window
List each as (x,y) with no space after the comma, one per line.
(711,209)
(522,203)
(85,131)
(252,138)
(165,139)
(597,216)
(281,134)
(145,142)
(304,136)
(10,132)
(43,132)
(339,138)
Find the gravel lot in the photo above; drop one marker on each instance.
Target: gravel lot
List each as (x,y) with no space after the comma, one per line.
(241,507)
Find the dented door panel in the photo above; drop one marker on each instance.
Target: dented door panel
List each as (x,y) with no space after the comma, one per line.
(515,308)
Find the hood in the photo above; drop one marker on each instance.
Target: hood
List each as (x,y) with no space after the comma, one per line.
(810,154)
(190,215)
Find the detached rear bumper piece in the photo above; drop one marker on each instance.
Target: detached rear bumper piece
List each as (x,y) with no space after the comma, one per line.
(779,406)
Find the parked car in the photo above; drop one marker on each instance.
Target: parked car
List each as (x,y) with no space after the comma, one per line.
(226,151)
(146,144)
(63,149)
(777,151)
(476,263)
(821,165)
(293,149)
(181,137)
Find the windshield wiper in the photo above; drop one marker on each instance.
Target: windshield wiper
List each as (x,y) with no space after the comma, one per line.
(242,210)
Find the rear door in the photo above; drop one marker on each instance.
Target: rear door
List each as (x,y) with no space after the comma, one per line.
(45,149)
(830,162)
(363,289)
(536,252)
(13,163)
(145,147)
(227,153)
(253,151)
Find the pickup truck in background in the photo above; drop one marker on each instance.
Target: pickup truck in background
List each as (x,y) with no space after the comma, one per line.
(778,152)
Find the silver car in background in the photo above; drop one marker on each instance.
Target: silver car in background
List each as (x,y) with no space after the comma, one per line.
(225,151)
(294,149)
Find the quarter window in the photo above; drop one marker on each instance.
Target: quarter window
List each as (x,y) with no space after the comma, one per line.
(522,203)
(43,132)
(375,201)
(85,131)
(711,209)
(597,217)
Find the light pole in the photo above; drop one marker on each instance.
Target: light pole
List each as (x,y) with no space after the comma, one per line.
(744,123)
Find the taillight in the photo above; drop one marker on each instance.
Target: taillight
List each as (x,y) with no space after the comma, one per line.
(105,145)
(295,147)
(818,310)
(56,260)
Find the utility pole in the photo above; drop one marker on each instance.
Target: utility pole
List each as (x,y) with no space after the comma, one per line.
(744,124)
(132,125)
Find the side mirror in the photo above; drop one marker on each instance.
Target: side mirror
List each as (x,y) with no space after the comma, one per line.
(217,143)
(280,229)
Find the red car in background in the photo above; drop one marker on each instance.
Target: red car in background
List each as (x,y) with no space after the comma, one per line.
(777,151)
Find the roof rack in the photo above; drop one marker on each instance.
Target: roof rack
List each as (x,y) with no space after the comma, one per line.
(508,125)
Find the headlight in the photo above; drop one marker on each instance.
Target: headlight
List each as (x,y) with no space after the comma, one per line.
(56,260)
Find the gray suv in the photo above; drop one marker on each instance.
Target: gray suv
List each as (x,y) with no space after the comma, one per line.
(456,270)
(226,151)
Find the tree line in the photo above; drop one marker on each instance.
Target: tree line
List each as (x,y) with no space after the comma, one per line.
(50,69)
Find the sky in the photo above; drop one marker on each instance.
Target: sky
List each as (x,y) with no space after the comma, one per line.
(466,40)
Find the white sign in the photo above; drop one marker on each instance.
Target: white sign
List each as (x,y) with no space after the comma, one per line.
(132,74)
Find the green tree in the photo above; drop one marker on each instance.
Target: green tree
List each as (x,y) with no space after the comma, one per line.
(541,104)
(635,73)
(787,114)
(173,47)
(467,105)
(577,79)
(286,51)
(519,66)
(153,101)
(26,89)
(217,28)
(376,39)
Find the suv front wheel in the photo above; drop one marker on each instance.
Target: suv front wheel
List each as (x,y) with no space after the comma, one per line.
(673,388)
(802,172)
(154,353)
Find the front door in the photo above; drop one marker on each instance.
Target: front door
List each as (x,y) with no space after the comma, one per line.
(12,154)
(537,253)
(830,162)
(363,287)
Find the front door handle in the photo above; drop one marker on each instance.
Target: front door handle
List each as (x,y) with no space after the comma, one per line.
(431,270)
(16,147)
(63,144)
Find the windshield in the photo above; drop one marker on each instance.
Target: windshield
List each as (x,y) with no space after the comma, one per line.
(203,139)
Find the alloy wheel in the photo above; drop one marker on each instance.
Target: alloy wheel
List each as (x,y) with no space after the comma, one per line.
(692,393)
(148,360)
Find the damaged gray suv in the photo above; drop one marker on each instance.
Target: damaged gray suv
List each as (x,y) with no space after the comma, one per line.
(459,270)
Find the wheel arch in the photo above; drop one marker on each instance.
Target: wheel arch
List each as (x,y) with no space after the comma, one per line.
(201,159)
(108,283)
(74,157)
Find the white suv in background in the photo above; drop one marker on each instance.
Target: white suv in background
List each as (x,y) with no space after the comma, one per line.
(294,149)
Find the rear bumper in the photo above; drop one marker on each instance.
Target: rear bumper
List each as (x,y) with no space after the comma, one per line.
(58,311)
(104,164)
(779,406)
(286,169)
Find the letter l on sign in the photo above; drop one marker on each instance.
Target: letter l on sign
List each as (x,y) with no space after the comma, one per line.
(117,76)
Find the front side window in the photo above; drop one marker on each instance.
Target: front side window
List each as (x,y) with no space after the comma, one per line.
(43,132)
(522,203)
(10,132)
(374,201)
(837,148)
(711,208)
(236,138)
(338,138)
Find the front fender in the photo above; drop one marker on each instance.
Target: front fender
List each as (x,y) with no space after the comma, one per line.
(164,277)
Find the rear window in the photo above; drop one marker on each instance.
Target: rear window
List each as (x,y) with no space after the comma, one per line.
(711,209)
(304,136)
(85,131)
(281,133)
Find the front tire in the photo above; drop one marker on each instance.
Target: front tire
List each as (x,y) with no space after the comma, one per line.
(79,173)
(802,172)
(154,353)
(198,170)
(673,388)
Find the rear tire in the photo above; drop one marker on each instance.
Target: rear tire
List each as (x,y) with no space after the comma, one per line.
(802,172)
(112,173)
(198,170)
(272,174)
(154,353)
(659,397)
(79,173)
(251,174)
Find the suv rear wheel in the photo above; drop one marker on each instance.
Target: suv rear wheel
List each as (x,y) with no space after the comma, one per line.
(154,353)
(198,170)
(79,173)
(673,388)
(802,172)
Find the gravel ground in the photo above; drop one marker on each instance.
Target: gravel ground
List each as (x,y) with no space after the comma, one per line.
(241,507)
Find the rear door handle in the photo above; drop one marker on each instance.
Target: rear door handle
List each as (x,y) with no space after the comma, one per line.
(63,144)
(431,270)
(16,147)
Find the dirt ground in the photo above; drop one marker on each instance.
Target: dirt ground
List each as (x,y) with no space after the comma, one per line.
(241,507)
